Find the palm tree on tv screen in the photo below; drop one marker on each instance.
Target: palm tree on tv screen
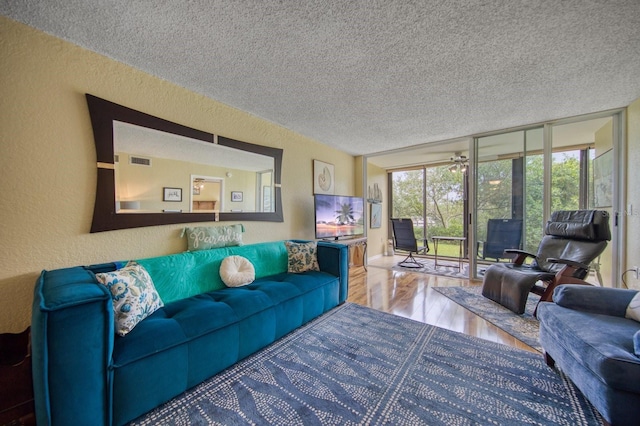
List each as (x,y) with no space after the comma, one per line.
(345,214)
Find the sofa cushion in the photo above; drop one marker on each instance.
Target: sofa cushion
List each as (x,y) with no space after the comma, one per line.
(237,271)
(133,293)
(157,333)
(183,275)
(183,320)
(302,257)
(602,343)
(285,286)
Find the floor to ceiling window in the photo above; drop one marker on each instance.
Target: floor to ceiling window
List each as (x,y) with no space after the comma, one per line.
(518,178)
(407,198)
(434,198)
(582,175)
(512,174)
(509,192)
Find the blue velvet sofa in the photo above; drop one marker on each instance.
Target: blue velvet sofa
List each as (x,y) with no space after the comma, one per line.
(85,374)
(585,333)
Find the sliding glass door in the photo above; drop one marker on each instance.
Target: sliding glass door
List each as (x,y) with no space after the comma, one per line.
(498,190)
(434,197)
(522,176)
(582,177)
(407,198)
(509,192)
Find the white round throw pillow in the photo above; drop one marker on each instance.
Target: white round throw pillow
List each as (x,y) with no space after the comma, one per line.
(237,271)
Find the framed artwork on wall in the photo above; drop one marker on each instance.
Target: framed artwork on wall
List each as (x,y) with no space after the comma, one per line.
(603,179)
(323,178)
(376,215)
(171,194)
(236,196)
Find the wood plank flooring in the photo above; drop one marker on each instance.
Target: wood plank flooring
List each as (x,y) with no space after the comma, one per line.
(410,294)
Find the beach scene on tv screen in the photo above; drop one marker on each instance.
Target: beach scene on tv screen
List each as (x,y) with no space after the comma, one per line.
(338,216)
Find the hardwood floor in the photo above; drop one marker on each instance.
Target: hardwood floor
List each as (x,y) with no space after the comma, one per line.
(410,294)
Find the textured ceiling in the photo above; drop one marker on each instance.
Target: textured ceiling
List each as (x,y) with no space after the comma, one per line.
(367,76)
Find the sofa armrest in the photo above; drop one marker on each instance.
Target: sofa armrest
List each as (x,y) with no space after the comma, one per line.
(334,259)
(597,300)
(72,342)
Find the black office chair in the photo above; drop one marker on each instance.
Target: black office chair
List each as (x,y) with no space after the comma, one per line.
(573,239)
(502,234)
(405,239)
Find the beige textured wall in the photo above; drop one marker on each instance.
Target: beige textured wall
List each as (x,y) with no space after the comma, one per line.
(633,192)
(49,162)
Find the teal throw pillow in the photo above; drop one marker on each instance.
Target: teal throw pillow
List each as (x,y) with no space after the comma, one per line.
(208,237)
(302,256)
(134,295)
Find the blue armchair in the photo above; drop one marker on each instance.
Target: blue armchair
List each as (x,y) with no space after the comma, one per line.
(585,333)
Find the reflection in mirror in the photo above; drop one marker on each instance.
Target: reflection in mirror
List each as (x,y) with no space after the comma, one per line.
(207,194)
(154,172)
(148,161)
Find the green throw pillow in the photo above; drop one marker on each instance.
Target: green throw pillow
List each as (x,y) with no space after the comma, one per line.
(208,237)
(302,256)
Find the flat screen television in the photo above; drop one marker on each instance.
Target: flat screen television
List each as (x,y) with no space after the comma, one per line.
(338,216)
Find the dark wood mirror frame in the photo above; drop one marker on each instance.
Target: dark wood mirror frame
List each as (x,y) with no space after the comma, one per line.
(105,217)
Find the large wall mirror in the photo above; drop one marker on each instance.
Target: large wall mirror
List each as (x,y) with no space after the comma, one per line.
(155,172)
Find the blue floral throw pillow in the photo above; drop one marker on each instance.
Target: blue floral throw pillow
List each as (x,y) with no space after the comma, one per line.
(133,293)
(302,256)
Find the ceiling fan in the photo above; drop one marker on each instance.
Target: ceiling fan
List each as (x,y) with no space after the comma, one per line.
(198,183)
(459,163)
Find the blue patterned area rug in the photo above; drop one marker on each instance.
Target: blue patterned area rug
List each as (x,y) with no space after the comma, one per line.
(358,366)
(525,327)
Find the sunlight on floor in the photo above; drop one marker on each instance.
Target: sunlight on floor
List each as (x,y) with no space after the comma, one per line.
(410,295)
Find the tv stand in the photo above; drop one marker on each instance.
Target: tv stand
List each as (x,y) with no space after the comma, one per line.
(357,250)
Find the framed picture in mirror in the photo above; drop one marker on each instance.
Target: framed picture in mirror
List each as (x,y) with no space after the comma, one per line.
(172,194)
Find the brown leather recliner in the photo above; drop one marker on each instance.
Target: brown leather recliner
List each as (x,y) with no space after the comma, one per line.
(573,239)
